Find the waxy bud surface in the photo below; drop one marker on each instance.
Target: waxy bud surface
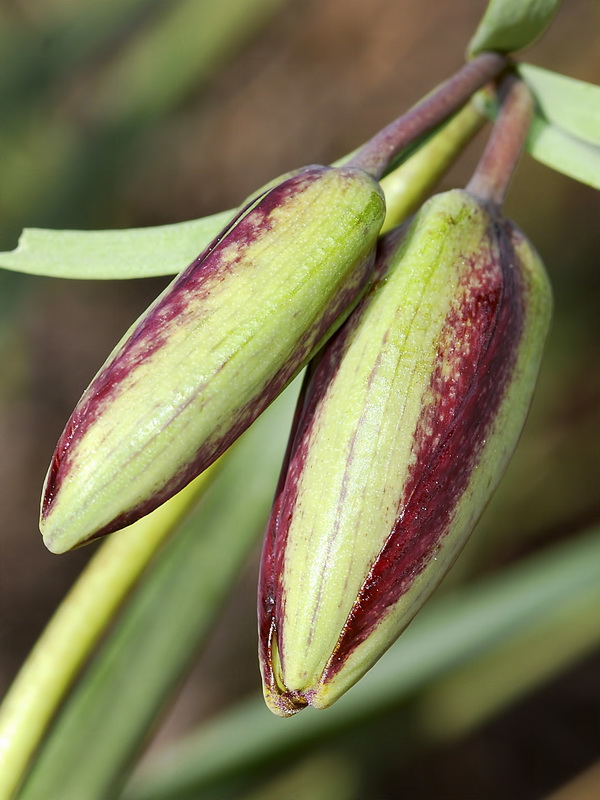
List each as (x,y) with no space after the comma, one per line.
(403,430)
(213,351)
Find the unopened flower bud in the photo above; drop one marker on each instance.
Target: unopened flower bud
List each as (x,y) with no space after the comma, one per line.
(213,351)
(404,429)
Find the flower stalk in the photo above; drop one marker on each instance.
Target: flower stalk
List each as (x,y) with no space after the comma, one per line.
(232,330)
(408,185)
(501,156)
(379,152)
(407,421)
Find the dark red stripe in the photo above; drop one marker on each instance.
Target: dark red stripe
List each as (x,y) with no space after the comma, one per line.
(321,372)
(151,332)
(491,320)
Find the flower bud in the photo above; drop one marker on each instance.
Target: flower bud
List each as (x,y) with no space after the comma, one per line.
(404,428)
(213,351)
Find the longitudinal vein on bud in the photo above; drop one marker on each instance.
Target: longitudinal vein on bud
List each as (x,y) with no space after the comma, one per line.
(405,426)
(213,351)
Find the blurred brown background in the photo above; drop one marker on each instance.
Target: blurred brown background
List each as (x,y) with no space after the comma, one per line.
(147,112)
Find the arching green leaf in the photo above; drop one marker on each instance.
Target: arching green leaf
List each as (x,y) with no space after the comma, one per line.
(565,153)
(110,254)
(553,592)
(571,104)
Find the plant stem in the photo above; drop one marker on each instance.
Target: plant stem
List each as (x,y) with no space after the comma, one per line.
(497,165)
(407,187)
(76,628)
(378,152)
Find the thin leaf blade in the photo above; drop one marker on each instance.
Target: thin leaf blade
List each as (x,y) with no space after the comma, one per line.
(113,254)
(570,104)
(454,632)
(561,151)
(106,720)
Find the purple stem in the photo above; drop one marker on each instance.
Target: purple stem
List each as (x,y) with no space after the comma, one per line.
(375,156)
(497,165)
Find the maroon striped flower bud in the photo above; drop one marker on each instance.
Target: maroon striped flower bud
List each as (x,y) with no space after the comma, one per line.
(229,333)
(213,351)
(403,431)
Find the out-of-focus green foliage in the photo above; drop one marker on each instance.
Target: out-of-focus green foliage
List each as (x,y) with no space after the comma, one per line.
(140,59)
(166,249)
(169,617)
(494,626)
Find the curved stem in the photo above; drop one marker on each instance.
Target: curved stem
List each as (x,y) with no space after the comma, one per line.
(375,156)
(75,629)
(497,165)
(407,187)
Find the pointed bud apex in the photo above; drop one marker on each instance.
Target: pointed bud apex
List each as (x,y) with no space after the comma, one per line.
(404,430)
(213,351)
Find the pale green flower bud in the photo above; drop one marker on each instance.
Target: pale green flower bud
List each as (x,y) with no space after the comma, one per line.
(404,429)
(213,351)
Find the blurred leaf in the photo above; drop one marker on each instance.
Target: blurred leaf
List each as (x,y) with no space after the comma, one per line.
(572,105)
(321,777)
(189,42)
(473,623)
(105,722)
(111,254)
(510,25)
(583,787)
(75,629)
(72,146)
(482,688)
(563,152)
(38,57)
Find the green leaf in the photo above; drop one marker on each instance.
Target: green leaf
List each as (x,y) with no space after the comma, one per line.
(106,720)
(557,148)
(510,25)
(563,152)
(166,250)
(111,254)
(187,43)
(78,625)
(570,104)
(547,592)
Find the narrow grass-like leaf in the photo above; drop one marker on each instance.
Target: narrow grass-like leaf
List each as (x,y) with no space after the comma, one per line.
(510,25)
(113,254)
(107,719)
(555,147)
(152,60)
(75,629)
(565,102)
(187,44)
(482,688)
(563,152)
(473,623)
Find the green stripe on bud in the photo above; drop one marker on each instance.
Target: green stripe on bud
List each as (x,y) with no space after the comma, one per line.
(404,430)
(213,351)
